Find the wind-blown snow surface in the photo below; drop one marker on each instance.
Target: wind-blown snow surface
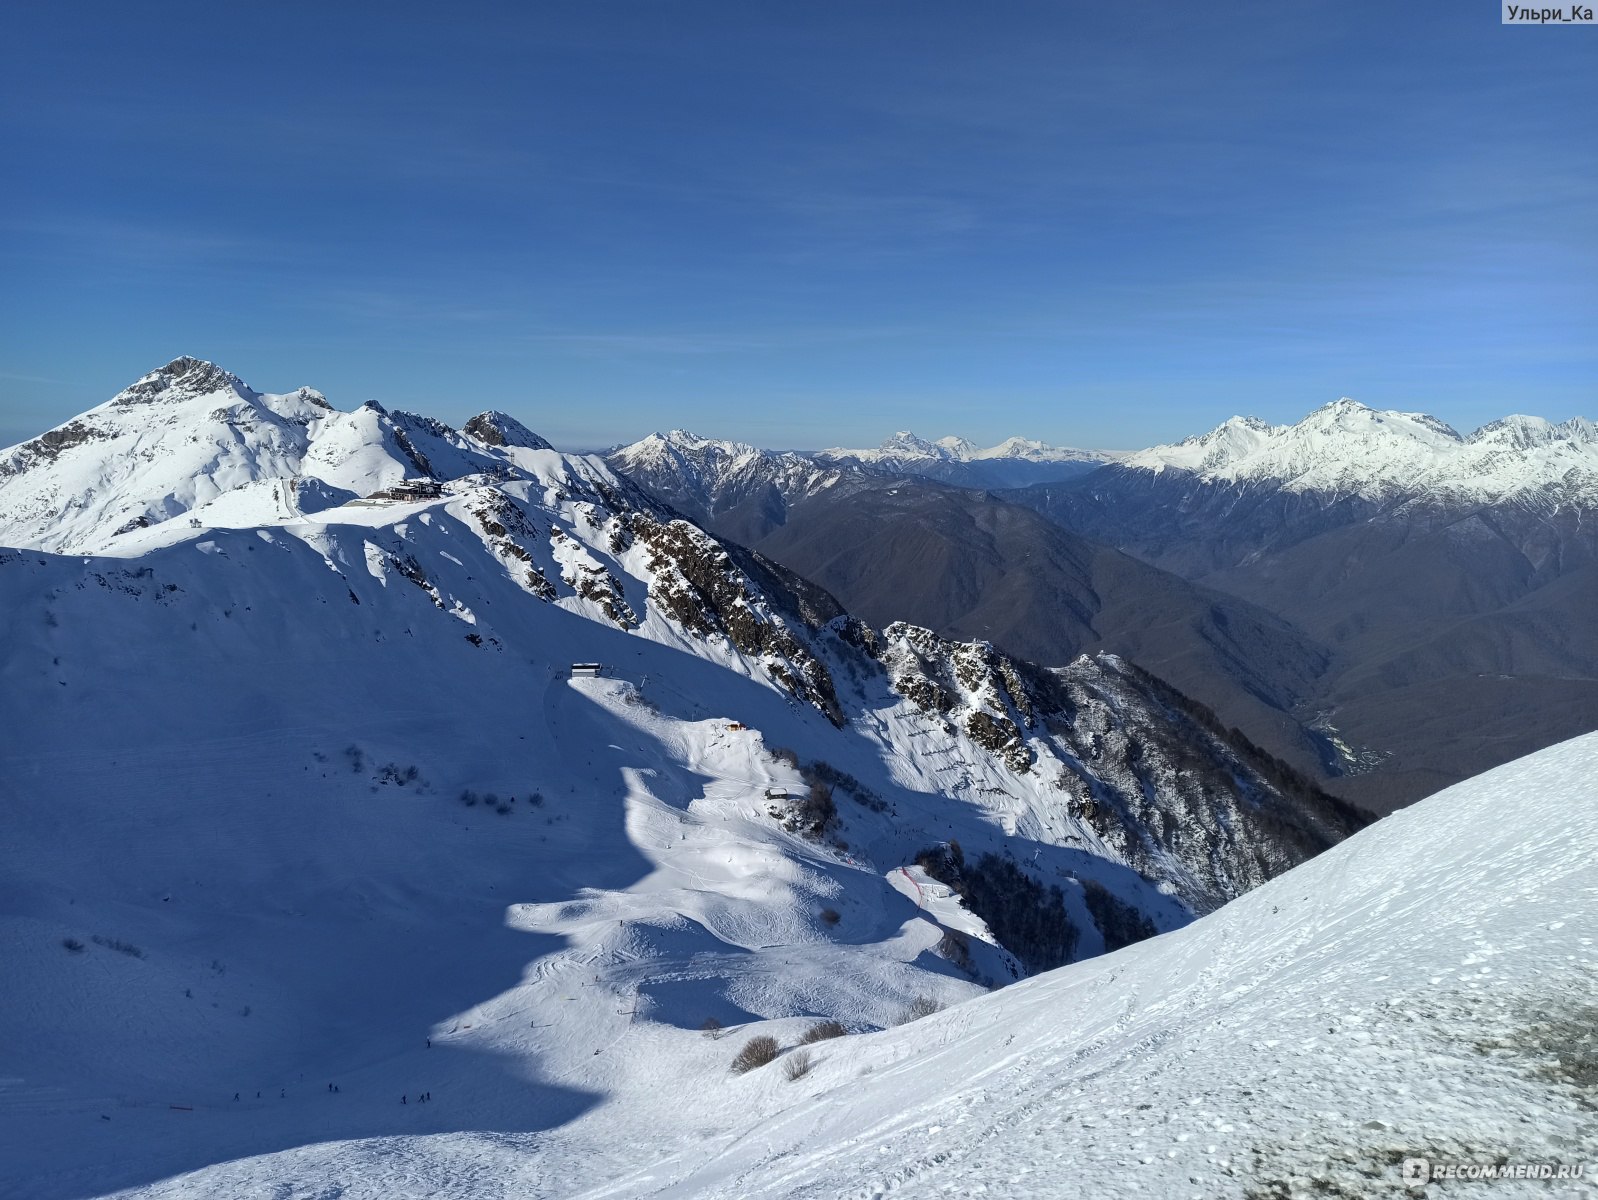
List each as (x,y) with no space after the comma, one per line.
(1425,988)
(1347,448)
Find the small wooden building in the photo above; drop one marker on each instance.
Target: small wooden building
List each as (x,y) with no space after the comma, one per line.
(416,489)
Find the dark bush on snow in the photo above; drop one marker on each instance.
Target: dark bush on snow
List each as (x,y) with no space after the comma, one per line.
(117,944)
(757,1052)
(921,1006)
(797,1065)
(823,1031)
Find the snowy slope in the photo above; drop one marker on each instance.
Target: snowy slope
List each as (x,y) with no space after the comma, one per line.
(1422,990)
(1346,448)
(190,432)
(249,847)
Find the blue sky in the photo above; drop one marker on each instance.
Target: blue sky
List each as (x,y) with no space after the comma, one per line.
(806,224)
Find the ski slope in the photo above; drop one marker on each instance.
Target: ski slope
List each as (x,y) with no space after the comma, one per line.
(1423,989)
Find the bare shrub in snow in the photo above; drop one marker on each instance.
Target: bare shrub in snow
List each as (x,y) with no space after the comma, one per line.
(712,1027)
(822,1031)
(73,945)
(797,1065)
(785,756)
(830,916)
(921,1006)
(117,944)
(757,1052)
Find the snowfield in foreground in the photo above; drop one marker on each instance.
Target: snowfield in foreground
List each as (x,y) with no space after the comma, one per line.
(1425,988)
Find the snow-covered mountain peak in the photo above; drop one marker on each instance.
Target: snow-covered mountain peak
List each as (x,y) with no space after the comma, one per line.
(706,477)
(683,441)
(189,432)
(184,378)
(1346,447)
(1347,416)
(494,428)
(1521,432)
(1013,447)
(960,448)
(908,444)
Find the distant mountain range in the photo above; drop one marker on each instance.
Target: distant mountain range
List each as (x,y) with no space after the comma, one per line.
(1014,462)
(1346,448)
(1375,598)
(1427,593)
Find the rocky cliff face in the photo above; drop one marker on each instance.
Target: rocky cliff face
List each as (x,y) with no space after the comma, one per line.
(1150,772)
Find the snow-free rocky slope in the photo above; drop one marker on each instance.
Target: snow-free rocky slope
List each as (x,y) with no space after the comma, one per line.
(297,780)
(899,546)
(1450,576)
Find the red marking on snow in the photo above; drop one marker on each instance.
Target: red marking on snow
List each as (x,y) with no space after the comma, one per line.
(921,898)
